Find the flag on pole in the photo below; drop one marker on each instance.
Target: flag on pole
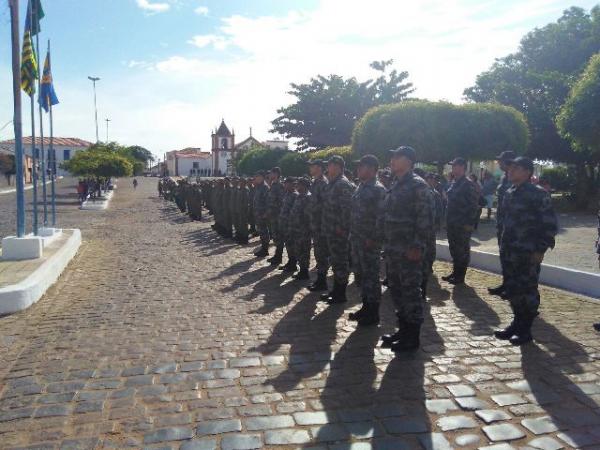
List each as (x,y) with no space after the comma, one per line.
(38,15)
(47,96)
(29,68)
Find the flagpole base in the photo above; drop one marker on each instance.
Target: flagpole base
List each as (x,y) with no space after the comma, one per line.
(21,248)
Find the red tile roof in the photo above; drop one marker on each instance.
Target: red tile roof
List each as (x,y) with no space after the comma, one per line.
(66,142)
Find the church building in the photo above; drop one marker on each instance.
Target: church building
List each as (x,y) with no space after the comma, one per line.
(223,144)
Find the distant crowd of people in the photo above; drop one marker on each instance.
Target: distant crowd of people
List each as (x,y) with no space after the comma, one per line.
(390,215)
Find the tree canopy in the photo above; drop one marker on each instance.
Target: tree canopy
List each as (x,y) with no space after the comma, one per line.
(536,80)
(100,161)
(440,131)
(579,118)
(259,158)
(326,108)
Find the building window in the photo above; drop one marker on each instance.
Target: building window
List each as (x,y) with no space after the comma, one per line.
(224,144)
(196,165)
(66,154)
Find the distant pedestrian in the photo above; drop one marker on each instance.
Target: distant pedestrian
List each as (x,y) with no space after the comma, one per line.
(135,183)
(462,210)
(529,230)
(488,188)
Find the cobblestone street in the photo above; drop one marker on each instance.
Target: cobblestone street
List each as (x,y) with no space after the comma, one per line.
(160,334)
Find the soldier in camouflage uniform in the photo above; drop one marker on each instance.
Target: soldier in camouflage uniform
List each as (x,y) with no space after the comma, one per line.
(317,198)
(218,206)
(461,216)
(251,220)
(336,227)
(366,244)
(406,224)
(243,207)
(195,202)
(504,160)
(529,228)
(180,199)
(225,202)
(233,211)
(261,213)
(300,217)
(430,250)
(289,197)
(275,201)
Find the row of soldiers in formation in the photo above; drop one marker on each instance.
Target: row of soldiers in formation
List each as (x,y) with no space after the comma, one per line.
(392,213)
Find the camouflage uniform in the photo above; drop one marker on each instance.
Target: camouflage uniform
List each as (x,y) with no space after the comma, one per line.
(300,216)
(226,201)
(462,212)
(233,210)
(275,200)
(529,226)
(242,206)
(251,219)
(261,213)
(406,222)
(366,245)
(317,196)
(335,226)
(501,192)
(284,222)
(430,249)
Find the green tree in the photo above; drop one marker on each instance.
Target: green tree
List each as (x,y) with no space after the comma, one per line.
(536,80)
(293,164)
(98,164)
(579,118)
(440,131)
(326,108)
(343,151)
(259,158)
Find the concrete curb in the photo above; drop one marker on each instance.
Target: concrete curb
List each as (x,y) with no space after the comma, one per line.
(98,205)
(27,188)
(20,296)
(571,280)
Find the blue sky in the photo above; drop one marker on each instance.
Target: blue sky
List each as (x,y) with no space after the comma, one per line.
(171,69)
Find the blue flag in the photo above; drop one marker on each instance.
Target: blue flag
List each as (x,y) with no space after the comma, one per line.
(47,96)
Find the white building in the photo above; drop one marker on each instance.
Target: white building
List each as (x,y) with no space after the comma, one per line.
(276,144)
(189,162)
(65,149)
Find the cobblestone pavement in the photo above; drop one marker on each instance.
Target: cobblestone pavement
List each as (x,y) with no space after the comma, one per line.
(162,335)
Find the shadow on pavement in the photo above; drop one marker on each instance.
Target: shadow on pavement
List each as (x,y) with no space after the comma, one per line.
(552,367)
(483,319)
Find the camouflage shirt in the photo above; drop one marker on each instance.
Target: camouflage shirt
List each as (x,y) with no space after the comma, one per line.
(317,197)
(501,192)
(300,216)
(284,214)
(406,219)
(367,201)
(261,199)
(529,223)
(463,203)
(275,199)
(336,208)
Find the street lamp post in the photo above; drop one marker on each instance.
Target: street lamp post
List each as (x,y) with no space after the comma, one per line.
(93,80)
(107,120)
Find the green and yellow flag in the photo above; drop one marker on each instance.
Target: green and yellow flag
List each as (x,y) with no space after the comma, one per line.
(29,68)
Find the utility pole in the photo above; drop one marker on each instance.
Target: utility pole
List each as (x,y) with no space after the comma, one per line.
(107,120)
(93,80)
(17,119)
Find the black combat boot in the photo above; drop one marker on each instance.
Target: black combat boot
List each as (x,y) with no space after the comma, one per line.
(302,274)
(262,252)
(459,276)
(388,339)
(497,291)
(277,257)
(339,295)
(320,283)
(291,266)
(448,277)
(370,316)
(411,339)
(327,296)
(522,334)
(506,333)
(424,288)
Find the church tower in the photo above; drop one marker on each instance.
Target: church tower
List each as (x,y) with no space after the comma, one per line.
(223,143)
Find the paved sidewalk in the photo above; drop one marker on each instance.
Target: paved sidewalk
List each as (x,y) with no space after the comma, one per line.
(162,335)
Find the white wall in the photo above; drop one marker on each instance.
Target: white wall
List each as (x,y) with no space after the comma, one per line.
(60,154)
(186,165)
(224,157)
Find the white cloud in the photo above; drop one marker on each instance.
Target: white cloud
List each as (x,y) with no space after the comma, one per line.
(147,6)
(201,10)
(205,40)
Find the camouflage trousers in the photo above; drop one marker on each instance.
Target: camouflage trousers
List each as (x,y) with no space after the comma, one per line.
(429,256)
(459,243)
(365,262)
(262,227)
(521,283)
(404,282)
(227,220)
(302,249)
(275,233)
(321,252)
(339,248)
(241,227)
(502,256)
